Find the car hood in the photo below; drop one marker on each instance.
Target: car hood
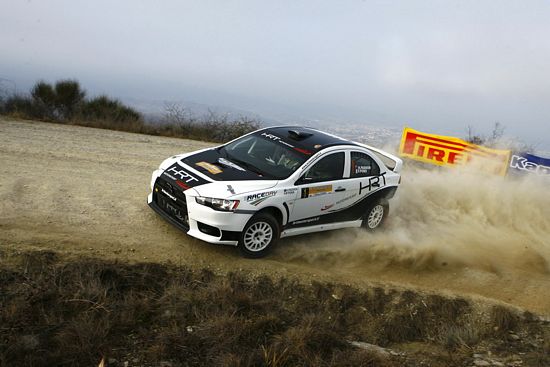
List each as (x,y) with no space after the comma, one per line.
(217,167)
(212,176)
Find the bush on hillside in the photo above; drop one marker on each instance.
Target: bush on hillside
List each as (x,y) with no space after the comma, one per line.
(105,108)
(20,106)
(69,96)
(66,102)
(56,102)
(211,127)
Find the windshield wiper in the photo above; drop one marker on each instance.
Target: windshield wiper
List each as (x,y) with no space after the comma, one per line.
(226,162)
(247,165)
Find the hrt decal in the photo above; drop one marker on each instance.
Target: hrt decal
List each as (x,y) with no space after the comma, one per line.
(182,174)
(277,139)
(372,183)
(271,136)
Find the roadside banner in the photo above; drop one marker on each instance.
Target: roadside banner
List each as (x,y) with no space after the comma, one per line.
(529,163)
(450,151)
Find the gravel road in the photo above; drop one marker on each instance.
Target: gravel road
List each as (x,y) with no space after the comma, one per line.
(82,192)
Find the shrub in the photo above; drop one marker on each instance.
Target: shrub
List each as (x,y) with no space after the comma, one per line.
(105,108)
(211,127)
(20,106)
(57,103)
(44,100)
(68,96)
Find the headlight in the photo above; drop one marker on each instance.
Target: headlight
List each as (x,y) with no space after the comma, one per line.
(218,204)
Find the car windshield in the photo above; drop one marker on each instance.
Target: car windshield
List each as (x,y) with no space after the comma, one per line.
(267,157)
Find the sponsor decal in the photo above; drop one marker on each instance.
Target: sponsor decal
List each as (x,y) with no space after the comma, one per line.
(529,163)
(290,191)
(450,151)
(230,189)
(308,192)
(228,163)
(278,139)
(213,169)
(306,220)
(271,136)
(362,169)
(346,199)
(256,199)
(327,207)
(182,174)
(168,194)
(372,183)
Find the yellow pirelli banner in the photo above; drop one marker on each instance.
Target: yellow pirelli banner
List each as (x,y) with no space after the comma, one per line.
(449,151)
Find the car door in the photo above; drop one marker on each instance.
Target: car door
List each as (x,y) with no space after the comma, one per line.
(363,178)
(319,188)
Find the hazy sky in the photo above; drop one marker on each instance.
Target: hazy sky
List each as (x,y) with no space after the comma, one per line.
(434,65)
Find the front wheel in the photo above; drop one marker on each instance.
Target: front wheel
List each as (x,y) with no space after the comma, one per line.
(375,216)
(259,236)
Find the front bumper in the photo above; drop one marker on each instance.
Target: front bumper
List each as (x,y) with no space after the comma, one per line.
(197,220)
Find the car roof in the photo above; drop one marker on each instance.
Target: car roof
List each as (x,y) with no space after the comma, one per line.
(307,138)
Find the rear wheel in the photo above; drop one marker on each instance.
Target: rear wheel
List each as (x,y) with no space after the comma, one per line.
(259,236)
(375,216)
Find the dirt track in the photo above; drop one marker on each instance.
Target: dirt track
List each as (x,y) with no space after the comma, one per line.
(83,191)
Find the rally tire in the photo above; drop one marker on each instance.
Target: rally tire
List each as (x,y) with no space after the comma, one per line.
(375,216)
(259,236)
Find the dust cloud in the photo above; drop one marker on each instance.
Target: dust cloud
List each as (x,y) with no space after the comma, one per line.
(448,218)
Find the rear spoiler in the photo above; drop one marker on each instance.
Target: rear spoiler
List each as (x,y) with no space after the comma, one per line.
(392,162)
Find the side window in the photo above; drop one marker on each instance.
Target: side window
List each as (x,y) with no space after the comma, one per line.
(362,165)
(328,168)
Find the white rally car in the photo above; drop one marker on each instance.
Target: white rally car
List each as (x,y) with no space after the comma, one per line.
(272,183)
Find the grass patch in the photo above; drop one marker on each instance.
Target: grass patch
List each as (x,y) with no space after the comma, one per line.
(54,312)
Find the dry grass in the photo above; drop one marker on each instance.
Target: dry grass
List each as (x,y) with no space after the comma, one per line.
(54,312)
(503,319)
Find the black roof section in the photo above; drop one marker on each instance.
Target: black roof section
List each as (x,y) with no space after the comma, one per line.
(306,138)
